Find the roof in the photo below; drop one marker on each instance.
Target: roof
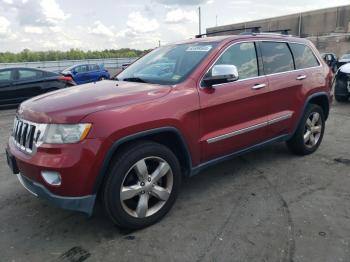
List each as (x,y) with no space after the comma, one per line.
(253,36)
(25,68)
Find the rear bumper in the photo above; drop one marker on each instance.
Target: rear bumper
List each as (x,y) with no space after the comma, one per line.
(83,204)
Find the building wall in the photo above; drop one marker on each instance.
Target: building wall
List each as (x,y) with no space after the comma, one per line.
(313,23)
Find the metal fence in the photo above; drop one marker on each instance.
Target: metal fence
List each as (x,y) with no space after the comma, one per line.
(56,66)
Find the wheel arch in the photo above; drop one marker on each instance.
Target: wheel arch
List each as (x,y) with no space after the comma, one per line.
(168,136)
(319,98)
(322,100)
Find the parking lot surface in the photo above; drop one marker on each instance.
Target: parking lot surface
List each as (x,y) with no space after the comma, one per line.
(268,205)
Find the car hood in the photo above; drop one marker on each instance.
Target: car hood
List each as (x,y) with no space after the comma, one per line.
(72,104)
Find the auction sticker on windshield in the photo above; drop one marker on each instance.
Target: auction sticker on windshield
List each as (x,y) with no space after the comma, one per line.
(199,48)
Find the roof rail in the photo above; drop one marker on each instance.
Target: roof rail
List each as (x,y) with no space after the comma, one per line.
(254,30)
(281,31)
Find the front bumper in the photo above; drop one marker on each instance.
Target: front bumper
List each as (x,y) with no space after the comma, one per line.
(83,204)
(78,165)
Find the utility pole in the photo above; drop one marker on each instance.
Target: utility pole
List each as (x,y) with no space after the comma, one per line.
(216,23)
(159,43)
(199,20)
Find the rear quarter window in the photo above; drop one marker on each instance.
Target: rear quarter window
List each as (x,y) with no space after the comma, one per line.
(276,57)
(303,56)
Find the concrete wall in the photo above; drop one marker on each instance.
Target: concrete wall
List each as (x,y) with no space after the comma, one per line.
(338,44)
(313,23)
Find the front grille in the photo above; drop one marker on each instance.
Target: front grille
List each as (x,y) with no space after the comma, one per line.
(27,134)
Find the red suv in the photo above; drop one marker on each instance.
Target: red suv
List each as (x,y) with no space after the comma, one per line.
(172,113)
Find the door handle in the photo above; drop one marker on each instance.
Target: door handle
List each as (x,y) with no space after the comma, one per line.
(301,77)
(258,86)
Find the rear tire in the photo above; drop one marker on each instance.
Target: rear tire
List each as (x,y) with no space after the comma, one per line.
(142,185)
(309,134)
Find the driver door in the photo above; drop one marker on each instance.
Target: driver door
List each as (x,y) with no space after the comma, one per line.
(233,115)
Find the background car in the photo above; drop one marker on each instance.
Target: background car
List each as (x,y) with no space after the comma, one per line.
(86,73)
(331,60)
(19,84)
(342,83)
(344,59)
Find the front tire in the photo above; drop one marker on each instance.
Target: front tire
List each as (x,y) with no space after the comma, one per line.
(309,134)
(142,185)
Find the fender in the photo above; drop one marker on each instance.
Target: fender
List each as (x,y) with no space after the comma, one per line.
(118,143)
(318,94)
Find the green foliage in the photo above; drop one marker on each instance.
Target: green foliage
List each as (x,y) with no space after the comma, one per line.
(31,56)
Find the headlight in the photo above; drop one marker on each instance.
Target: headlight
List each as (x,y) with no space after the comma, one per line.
(66,134)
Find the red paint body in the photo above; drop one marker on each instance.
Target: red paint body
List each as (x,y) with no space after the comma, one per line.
(118,109)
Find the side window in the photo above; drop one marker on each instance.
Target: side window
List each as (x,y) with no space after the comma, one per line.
(82,68)
(276,57)
(94,67)
(5,75)
(24,74)
(304,57)
(243,56)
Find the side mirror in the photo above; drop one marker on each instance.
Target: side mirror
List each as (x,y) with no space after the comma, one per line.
(221,74)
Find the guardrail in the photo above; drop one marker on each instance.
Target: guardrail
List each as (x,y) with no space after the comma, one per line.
(55,66)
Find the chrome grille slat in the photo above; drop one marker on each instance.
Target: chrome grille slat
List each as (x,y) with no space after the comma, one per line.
(27,135)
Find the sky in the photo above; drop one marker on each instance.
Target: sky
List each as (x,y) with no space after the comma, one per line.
(111,24)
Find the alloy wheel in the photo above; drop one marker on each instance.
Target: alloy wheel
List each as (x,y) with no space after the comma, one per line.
(313,129)
(146,187)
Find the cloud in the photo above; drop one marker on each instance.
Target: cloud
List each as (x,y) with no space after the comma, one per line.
(36,12)
(33,30)
(52,11)
(183,2)
(4,27)
(100,29)
(180,16)
(140,24)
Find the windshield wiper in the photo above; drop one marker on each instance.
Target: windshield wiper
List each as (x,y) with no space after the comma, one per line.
(134,79)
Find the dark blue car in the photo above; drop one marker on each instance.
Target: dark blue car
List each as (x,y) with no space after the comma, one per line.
(82,74)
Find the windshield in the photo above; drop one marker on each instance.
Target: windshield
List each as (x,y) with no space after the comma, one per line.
(347,56)
(167,65)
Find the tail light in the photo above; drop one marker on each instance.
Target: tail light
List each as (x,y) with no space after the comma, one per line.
(65,78)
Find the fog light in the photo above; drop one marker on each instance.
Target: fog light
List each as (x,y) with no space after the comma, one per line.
(51,177)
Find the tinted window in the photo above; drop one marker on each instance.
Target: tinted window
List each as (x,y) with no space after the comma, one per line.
(5,75)
(94,67)
(24,74)
(276,57)
(243,56)
(82,68)
(304,57)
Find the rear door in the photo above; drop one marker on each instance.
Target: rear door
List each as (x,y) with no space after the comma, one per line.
(233,115)
(82,74)
(7,95)
(95,73)
(285,86)
(28,83)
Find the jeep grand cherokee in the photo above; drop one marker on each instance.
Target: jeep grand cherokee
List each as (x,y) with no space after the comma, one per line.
(177,110)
